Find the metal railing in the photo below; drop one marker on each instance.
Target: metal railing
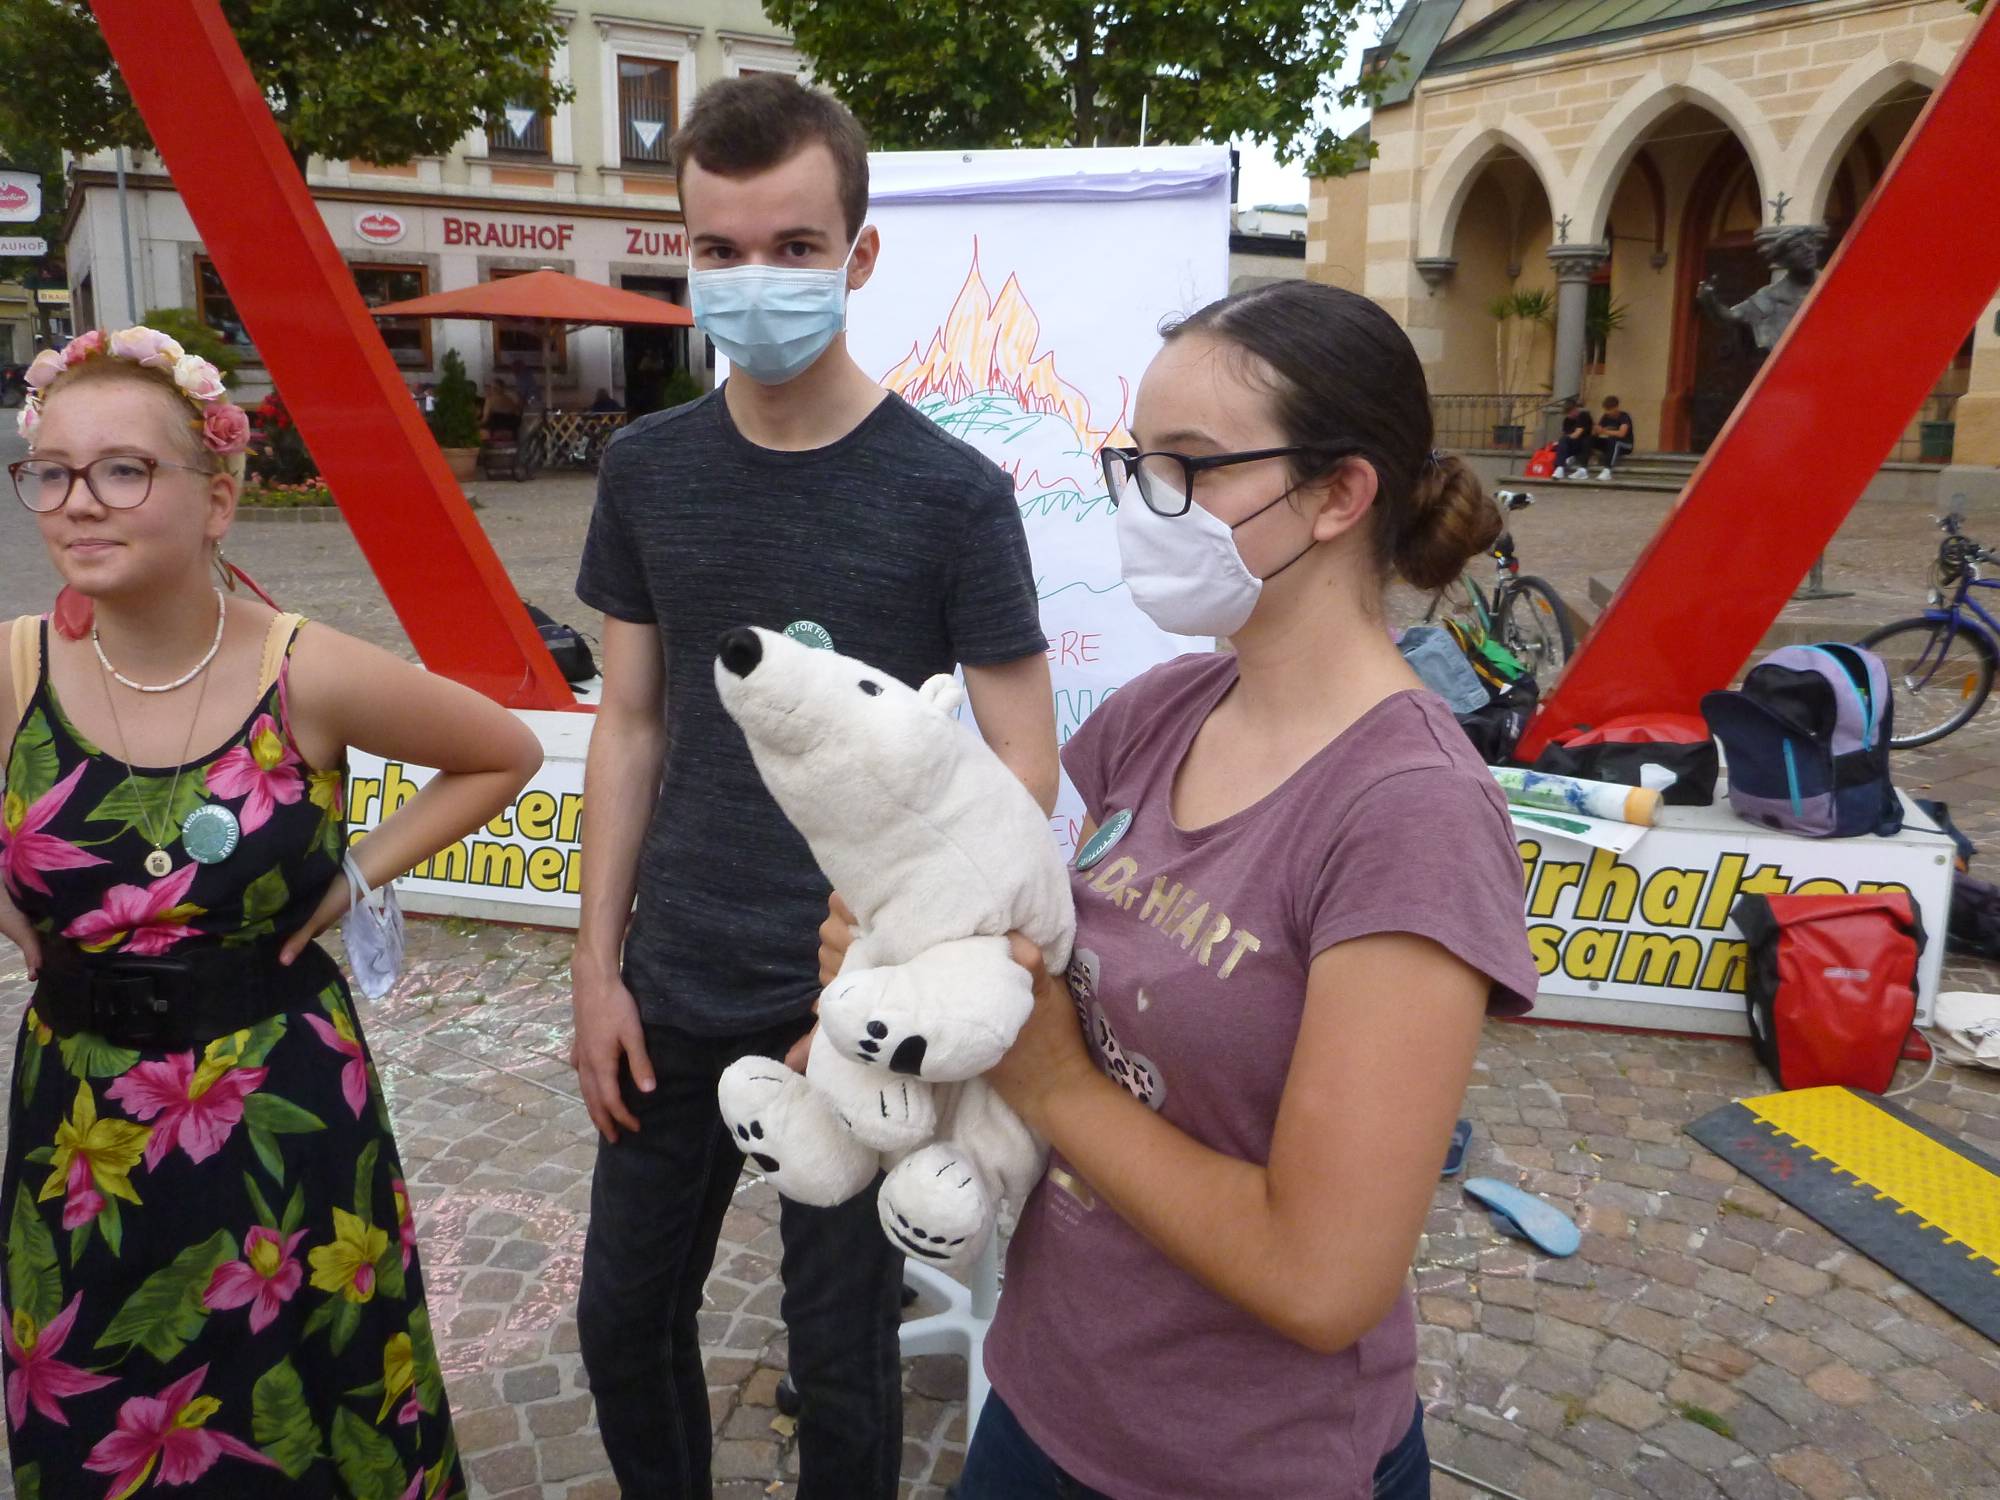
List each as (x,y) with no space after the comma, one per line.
(1488,422)
(1928,439)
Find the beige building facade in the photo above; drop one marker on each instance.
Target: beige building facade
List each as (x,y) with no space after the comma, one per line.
(586,189)
(1614,159)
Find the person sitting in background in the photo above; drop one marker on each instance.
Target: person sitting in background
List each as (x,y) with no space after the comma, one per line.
(500,415)
(604,402)
(1573,447)
(1614,436)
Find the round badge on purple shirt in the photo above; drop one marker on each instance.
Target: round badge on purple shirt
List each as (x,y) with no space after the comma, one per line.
(1099,843)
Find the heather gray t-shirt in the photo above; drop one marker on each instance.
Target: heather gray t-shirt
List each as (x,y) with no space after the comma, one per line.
(1192,955)
(901,542)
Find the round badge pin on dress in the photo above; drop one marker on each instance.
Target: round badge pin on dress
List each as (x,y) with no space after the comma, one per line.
(807,633)
(210,834)
(1099,843)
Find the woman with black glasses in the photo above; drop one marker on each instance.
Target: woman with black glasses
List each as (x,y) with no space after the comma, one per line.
(211,1276)
(1297,897)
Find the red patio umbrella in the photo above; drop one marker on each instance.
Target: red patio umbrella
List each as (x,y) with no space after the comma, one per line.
(553,299)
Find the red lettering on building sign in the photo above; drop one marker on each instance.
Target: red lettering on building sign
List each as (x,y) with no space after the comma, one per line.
(507,236)
(656,242)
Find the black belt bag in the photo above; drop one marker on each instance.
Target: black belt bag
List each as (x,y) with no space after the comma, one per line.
(173,1000)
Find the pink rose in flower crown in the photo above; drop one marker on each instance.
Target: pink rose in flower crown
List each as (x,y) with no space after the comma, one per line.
(147,346)
(27,419)
(85,344)
(198,378)
(44,368)
(225,429)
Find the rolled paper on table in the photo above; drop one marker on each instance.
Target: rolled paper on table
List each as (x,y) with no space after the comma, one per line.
(1572,794)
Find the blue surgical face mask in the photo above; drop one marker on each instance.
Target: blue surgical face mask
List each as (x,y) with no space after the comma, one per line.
(771,321)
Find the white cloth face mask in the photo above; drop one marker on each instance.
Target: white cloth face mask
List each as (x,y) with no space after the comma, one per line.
(372,931)
(1184,571)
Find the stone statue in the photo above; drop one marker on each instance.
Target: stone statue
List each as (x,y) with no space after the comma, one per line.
(1794,254)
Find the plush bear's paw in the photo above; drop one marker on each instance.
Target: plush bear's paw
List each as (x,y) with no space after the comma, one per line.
(947,1015)
(883,1112)
(789,1130)
(934,1205)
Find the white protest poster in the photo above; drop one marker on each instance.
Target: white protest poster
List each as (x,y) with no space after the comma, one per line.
(1018,300)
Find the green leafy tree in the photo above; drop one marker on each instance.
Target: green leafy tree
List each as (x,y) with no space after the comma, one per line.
(968,73)
(375,80)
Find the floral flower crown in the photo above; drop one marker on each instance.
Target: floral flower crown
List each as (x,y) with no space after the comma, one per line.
(225,430)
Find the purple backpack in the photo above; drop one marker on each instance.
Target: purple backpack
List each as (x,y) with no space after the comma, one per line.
(1806,740)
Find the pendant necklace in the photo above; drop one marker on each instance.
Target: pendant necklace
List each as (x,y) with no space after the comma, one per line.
(159,862)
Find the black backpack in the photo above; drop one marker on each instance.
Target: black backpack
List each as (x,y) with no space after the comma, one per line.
(567,646)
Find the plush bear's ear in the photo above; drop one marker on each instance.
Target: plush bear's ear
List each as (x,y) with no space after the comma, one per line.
(942,693)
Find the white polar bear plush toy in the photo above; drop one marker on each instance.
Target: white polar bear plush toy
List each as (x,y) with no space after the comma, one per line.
(940,852)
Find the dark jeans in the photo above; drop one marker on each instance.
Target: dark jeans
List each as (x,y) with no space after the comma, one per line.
(657,1202)
(1571,451)
(1003,1463)
(1612,451)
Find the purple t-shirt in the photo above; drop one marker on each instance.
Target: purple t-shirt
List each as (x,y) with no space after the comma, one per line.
(1192,952)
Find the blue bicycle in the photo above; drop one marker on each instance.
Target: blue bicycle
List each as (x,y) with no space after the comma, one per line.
(1942,661)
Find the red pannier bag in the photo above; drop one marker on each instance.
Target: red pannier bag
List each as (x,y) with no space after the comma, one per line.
(1542,464)
(1831,985)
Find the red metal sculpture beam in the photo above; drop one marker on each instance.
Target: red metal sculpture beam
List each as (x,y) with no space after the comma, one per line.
(1913,274)
(298,301)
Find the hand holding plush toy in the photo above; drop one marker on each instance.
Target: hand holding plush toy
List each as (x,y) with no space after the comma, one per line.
(941,853)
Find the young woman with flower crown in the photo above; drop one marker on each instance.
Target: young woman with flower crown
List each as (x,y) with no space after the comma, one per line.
(211,1276)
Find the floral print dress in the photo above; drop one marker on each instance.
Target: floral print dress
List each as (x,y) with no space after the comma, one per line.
(211,1277)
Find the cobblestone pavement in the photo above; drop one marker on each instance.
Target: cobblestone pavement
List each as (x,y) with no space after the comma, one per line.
(1707,1341)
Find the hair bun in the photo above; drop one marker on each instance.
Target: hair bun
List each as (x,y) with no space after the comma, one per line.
(1451,520)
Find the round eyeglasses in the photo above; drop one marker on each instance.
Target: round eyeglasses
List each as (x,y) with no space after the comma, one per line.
(1165,481)
(119,481)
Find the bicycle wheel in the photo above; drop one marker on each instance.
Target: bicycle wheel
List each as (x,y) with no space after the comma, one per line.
(1940,672)
(529,453)
(1533,624)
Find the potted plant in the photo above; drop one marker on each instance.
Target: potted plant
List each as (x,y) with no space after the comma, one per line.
(455,420)
(1511,353)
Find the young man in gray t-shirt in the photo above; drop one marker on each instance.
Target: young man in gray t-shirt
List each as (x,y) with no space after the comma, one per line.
(799,494)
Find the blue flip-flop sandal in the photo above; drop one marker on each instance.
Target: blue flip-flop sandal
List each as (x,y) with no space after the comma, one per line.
(1454,1156)
(1522,1214)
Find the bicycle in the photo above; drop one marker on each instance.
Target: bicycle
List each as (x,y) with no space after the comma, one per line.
(1523,613)
(1943,663)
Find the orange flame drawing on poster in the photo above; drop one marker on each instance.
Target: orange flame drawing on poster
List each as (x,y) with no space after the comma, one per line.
(988,344)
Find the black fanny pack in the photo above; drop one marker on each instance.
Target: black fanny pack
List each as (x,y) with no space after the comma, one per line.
(173,1001)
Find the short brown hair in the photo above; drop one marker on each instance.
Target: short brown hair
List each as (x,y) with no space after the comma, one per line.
(743,126)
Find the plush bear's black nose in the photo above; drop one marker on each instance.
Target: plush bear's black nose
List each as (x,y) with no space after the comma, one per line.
(740,650)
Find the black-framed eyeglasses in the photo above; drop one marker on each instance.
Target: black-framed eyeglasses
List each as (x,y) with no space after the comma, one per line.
(120,481)
(1165,481)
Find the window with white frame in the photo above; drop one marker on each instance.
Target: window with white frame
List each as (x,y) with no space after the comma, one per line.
(647,83)
(747,56)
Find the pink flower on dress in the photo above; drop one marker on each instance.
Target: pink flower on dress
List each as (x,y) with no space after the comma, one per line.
(197,1106)
(38,1376)
(406,1224)
(147,346)
(82,1202)
(267,1277)
(26,853)
(225,429)
(340,1036)
(168,1430)
(146,919)
(264,771)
